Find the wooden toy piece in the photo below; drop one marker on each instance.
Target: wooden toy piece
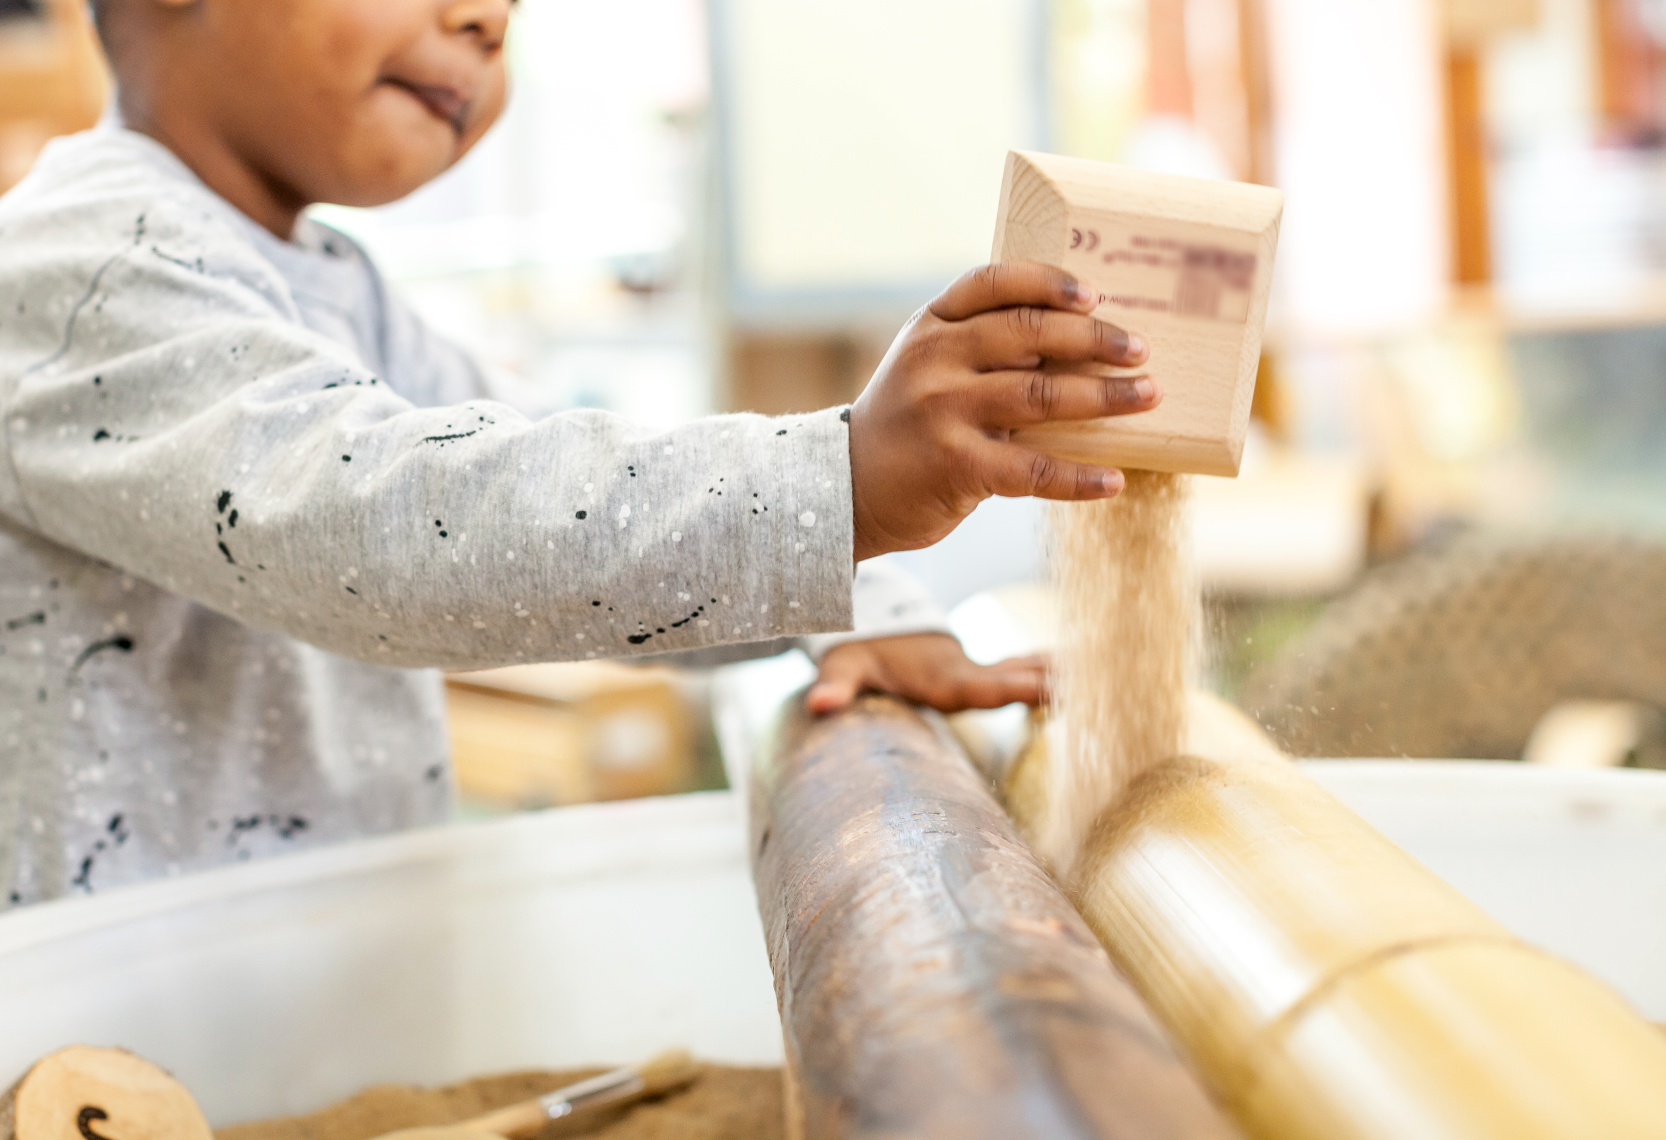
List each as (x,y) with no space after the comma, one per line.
(1326,986)
(1185,263)
(576,1104)
(933,981)
(83,1093)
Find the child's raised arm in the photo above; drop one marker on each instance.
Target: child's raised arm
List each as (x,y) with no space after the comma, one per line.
(166,412)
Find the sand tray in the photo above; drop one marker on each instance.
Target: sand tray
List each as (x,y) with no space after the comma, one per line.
(724,1104)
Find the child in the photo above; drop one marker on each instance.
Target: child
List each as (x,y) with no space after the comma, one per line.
(248,502)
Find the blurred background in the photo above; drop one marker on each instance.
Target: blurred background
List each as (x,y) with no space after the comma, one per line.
(1446,540)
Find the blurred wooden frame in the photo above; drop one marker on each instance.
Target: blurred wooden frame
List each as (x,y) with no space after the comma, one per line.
(1467,26)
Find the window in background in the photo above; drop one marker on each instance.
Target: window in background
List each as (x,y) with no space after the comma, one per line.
(858,151)
(562,247)
(1097,77)
(861,146)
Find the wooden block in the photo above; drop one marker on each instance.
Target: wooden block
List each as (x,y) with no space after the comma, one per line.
(1185,263)
(82,1093)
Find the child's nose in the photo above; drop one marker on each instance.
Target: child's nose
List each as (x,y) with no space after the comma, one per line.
(486,20)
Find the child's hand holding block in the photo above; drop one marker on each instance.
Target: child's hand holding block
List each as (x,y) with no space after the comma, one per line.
(1186,264)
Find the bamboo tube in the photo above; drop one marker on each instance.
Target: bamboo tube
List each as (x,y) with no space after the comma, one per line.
(933,981)
(1326,985)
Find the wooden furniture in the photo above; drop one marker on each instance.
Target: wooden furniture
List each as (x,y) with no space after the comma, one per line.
(1461,650)
(537,736)
(81,1093)
(1468,167)
(1325,985)
(1468,25)
(1185,263)
(932,980)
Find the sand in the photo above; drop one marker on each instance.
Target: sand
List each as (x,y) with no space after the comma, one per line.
(1130,614)
(724,1104)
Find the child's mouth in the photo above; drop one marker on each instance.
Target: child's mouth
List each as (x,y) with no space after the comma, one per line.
(443,103)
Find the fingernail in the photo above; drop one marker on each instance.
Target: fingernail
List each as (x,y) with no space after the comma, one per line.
(1086,294)
(1112,482)
(1145,389)
(1136,344)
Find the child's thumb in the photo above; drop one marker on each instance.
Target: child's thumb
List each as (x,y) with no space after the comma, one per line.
(831,695)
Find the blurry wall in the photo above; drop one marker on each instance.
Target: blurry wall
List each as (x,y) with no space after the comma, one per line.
(1360,155)
(52,79)
(856,175)
(565,248)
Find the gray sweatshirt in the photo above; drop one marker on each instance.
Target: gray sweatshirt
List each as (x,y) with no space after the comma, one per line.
(248,503)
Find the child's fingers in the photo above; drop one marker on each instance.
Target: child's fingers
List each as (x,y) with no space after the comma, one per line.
(1040,662)
(1013,283)
(844,673)
(1007,684)
(1017,399)
(1023,338)
(987,687)
(827,696)
(1014,472)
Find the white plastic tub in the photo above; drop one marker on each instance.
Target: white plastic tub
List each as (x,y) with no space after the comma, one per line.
(1574,862)
(582,935)
(604,933)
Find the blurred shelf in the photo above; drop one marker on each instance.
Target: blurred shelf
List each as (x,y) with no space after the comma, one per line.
(537,736)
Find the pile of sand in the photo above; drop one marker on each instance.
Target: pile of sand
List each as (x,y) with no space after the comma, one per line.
(724,1104)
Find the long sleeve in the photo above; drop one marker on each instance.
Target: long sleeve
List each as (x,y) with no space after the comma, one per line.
(886,601)
(163,410)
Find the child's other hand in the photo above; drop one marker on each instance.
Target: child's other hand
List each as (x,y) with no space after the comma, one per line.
(927,668)
(1006,346)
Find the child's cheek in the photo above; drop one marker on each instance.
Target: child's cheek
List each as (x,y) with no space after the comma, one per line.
(493,98)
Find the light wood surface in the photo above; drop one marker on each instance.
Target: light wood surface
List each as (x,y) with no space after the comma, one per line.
(1185,263)
(933,981)
(1325,985)
(83,1093)
(1472,22)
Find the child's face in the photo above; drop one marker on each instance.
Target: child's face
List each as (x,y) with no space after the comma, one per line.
(356,102)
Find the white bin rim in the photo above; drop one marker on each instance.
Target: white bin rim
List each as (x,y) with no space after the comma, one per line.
(578,936)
